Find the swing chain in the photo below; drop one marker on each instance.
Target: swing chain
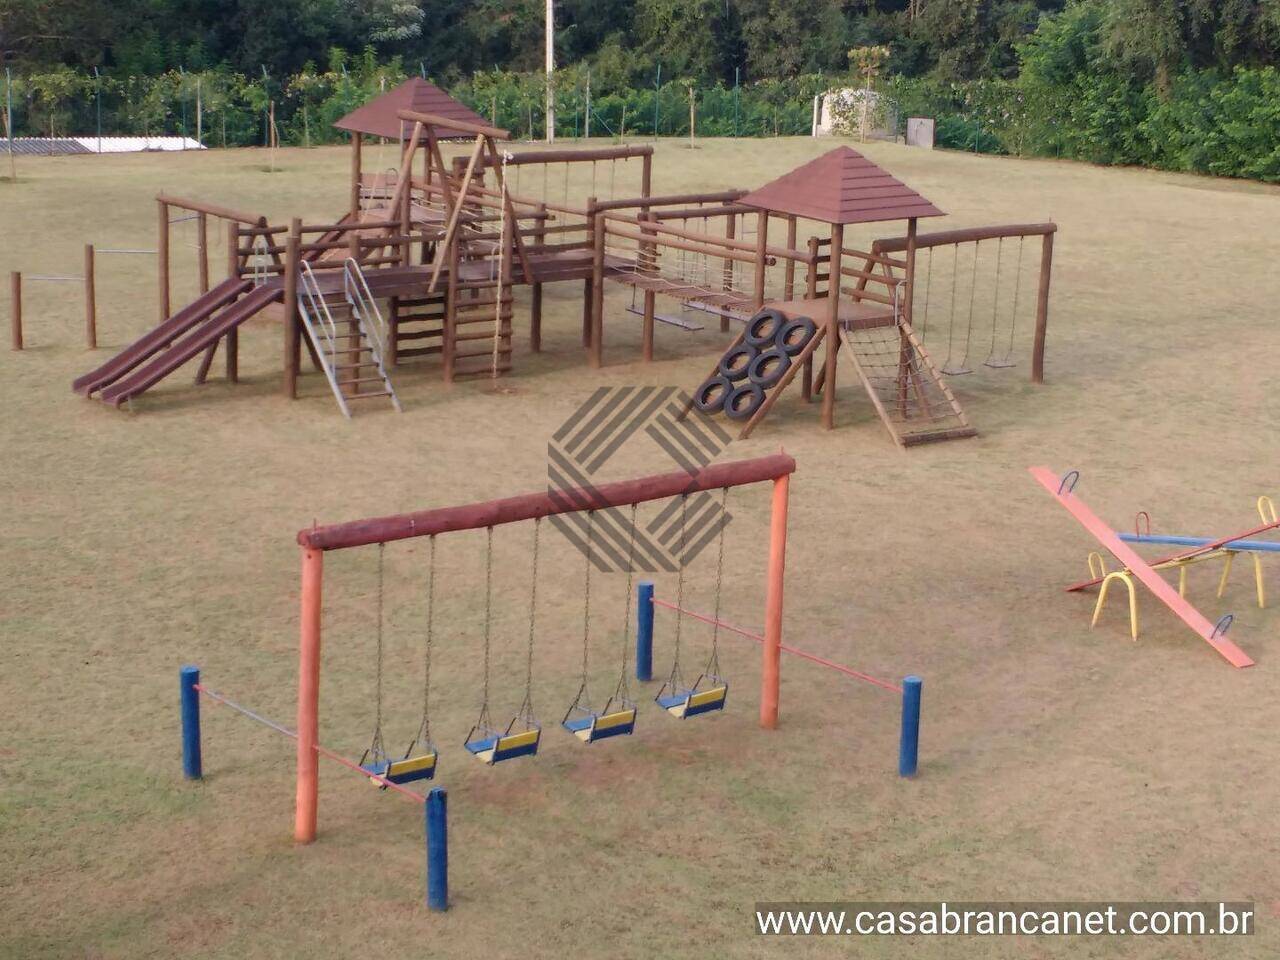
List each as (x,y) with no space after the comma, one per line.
(526,708)
(488,622)
(424,729)
(713,662)
(676,681)
(586,614)
(376,748)
(623,691)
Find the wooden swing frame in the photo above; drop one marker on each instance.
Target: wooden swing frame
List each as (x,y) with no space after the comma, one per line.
(316,541)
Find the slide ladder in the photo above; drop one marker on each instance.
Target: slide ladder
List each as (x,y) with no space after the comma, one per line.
(349,335)
(909,393)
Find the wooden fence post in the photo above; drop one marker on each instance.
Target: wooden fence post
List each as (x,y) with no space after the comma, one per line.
(90,300)
(202,249)
(1042,308)
(15,302)
(292,353)
(162,258)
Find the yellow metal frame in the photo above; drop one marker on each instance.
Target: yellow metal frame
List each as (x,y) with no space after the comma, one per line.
(1098,570)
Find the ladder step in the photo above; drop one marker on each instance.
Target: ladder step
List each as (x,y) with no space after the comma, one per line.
(419,334)
(366,396)
(502,351)
(463,337)
(358,380)
(419,352)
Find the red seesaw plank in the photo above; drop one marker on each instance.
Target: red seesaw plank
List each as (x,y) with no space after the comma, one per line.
(1140,569)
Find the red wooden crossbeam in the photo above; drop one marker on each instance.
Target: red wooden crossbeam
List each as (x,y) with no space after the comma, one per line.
(1141,569)
(474,516)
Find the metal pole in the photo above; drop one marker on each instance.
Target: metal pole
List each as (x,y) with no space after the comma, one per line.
(98,79)
(437,834)
(909,745)
(551,69)
(657,88)
(188,677)
(644,630)
(8,121)
(737,71)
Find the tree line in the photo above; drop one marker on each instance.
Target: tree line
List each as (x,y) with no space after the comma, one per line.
(1180,84)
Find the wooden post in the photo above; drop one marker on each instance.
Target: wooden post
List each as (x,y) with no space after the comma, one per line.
(90,301)
(304,824)
(356,140)
(811,293)
(772,652)
(406,220)
(535,308)
(646,174)
(909,293)
(597,296)
(1042,309)
(833,326)
(730,230)
(448,335)
(588,294)
(233,249)
(649,295)
(15,304)
(789,277)
(202,249)
(292,354)
(762,257)
(162,258)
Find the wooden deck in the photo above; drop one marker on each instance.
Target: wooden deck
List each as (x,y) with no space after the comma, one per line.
(854,316)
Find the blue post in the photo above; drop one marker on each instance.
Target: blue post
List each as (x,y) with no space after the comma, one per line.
(188,677)
(437,817)
(909,746)
(644,631)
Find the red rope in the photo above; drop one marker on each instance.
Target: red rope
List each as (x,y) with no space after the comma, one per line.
(323,751)
(822,661)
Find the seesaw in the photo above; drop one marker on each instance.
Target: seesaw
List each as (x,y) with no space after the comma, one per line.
(1060,488)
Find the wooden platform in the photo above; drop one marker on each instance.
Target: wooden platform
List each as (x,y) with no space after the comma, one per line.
(856,316)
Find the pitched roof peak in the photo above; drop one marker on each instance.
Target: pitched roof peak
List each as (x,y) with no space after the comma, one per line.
(841,186)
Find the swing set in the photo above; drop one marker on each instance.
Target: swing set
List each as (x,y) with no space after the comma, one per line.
(522,736)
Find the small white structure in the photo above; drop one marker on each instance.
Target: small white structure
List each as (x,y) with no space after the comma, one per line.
(854,111)
(920,132)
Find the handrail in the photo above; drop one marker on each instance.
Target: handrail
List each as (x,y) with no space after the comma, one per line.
(320,323)
(213,209)
(964,235)
(721,196)
(730,243)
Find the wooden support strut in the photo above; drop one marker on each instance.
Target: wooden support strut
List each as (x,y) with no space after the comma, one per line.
(292,266)
(833,328)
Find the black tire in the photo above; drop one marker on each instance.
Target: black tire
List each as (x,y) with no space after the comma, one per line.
(763,328)
(736,363)
(795,335)
(768,368)
(744,401)
(711,396)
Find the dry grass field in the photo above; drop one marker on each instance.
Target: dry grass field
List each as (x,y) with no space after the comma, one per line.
(1057,762)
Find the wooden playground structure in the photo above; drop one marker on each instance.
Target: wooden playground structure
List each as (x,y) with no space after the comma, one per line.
(419,274)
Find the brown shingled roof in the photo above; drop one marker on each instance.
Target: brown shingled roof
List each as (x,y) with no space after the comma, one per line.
(378,117)
(841,186)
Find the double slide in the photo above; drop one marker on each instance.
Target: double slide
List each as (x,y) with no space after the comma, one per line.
(189,332)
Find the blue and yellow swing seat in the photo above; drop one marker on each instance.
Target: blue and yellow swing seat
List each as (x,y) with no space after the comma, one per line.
(689,702)
(408,769)
(494,746)
(590,726)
